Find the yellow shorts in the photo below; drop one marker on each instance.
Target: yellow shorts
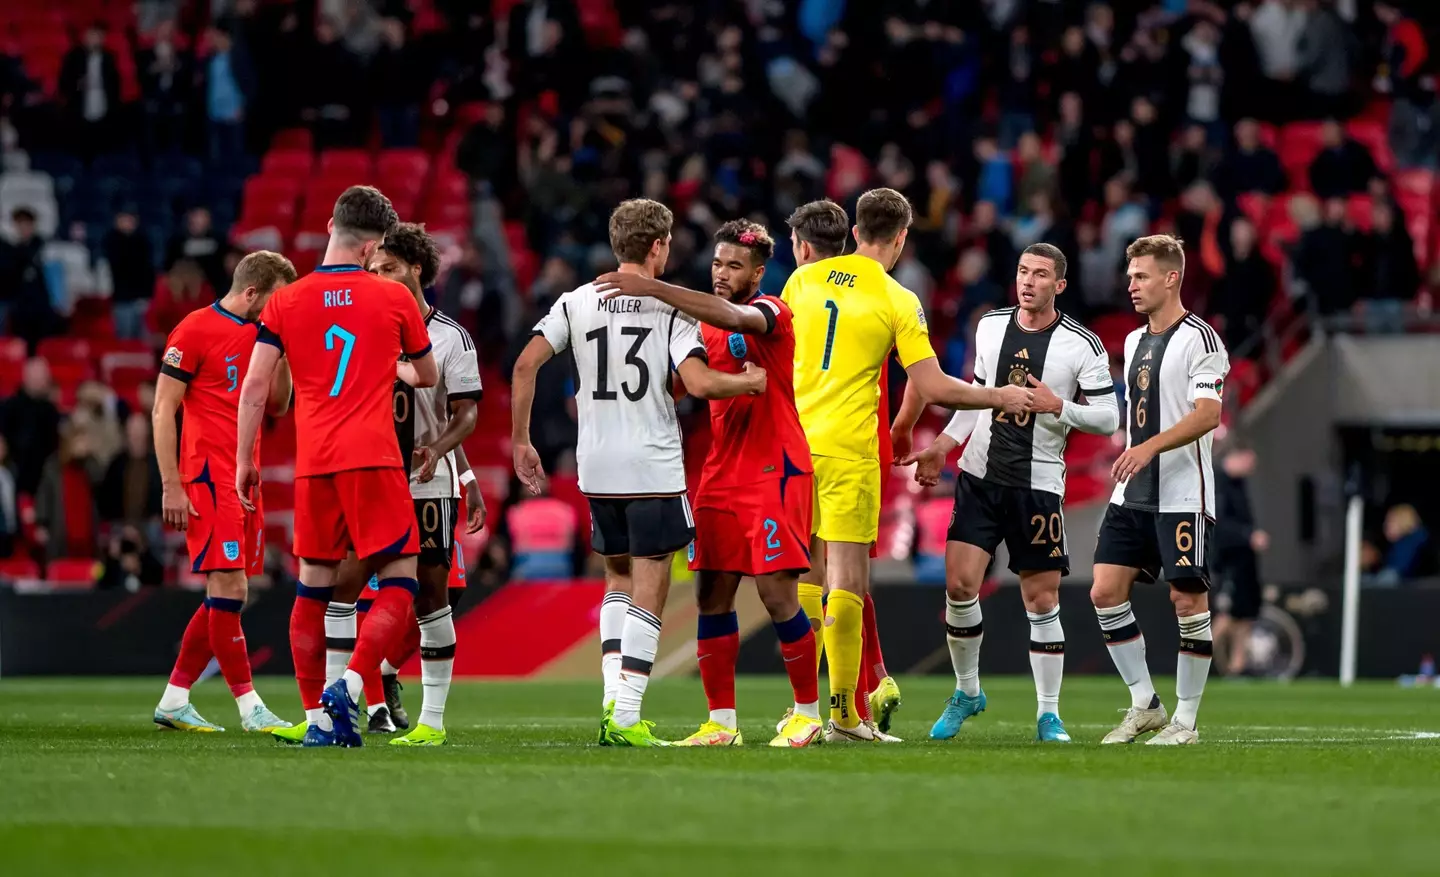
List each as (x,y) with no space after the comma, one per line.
(847,500)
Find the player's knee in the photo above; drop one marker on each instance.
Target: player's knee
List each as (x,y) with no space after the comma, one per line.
(781,605)
(1188,602)
(231,584)
(1106,595)
(1041,601)
(961,589)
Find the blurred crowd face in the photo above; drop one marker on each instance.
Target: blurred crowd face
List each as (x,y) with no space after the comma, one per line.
(1240,463)
(36,378)
(733,273)
(1242,238)
(137,435)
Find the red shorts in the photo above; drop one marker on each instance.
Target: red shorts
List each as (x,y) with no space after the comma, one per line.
(753,530)
(224,536)
(368,510)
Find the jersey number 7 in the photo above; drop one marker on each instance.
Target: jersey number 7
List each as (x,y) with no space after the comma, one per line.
(347,340)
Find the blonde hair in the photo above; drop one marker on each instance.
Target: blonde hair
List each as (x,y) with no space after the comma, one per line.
(635,226)
(1167,250)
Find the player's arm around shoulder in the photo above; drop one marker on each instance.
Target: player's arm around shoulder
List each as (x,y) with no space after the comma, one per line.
(415,339)
(704,382)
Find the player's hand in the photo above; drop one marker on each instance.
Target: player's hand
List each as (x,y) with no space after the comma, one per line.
(902,442)
(528,469)
(405,371)
(756,376)
(929,463)
(247,480)
(1132,461)
(423,461)
(475,506)
(176,508)
(1044,400)
(1260,541)
(1015,400)
(616,284)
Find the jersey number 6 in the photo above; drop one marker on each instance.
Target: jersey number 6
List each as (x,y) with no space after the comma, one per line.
(333,334)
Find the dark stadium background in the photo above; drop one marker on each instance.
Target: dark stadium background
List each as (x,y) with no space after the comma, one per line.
(1292,143)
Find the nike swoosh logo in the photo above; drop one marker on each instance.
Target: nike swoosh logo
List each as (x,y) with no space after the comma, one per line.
(770,557)
(787,660)
(232,358)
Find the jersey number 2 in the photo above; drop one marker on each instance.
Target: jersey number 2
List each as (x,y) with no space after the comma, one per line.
(771,539)
(834,310)
(347,342)
(601,337)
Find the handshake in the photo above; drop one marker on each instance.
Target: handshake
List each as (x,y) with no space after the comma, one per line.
(1033,396)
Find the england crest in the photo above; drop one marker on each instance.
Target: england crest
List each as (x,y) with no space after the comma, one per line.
(232,550)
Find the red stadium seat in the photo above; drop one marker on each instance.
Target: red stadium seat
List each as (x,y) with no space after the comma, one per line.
(287,163)
(11,374)
(12,350)
(354,165)
(1255,206)
(59,350)
(121,360)
(1371,134)
(1299,144)
(19,568)
(79,573)
(1415,182)
(1359,211)
(293,138)
(397,163)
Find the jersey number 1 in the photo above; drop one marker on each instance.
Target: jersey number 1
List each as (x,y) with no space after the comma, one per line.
(347,341)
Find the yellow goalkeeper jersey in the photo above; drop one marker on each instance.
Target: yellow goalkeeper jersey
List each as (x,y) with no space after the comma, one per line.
(849,315)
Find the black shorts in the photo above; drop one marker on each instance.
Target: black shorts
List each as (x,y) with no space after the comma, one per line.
(1029,522)
(1175,543)
(651,526)
(437,530)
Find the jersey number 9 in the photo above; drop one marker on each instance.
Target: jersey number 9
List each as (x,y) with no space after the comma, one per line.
(232,374)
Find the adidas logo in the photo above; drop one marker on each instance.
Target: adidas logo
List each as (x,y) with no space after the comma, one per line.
(1149,354)
(429,543)
(1055,552)
(1023,354)
(1184,561)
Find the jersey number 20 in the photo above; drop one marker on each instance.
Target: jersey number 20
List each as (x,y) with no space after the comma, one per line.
(347,342)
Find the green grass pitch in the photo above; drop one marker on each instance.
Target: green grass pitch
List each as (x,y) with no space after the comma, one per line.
(1289,779)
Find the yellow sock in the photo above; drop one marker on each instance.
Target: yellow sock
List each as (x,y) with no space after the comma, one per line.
(812,600)
(844,621)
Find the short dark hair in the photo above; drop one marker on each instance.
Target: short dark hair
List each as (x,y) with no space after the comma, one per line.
(881,214)
(364,212)
(1051,252)
(264,270)
(22,214)
(411,244)
(821,224)
(751,235)
(635,226)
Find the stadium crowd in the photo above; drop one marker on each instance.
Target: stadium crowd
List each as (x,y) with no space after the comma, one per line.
(1292,143)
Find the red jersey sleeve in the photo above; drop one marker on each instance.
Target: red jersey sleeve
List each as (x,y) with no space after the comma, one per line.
(271,330)
(778,315)
(414,337)
(184,351)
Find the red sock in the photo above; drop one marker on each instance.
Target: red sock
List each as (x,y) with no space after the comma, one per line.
(374,688)
(716,650)
(384,623)
(408,645)
(799,664)
(873,657)
(863,686)
(194,650)
(307,643)
(228,641)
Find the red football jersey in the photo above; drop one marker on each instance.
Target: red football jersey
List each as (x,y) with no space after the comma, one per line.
(210,352)
(756,438)
(343,329)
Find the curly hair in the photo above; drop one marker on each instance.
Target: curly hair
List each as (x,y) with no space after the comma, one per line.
(411,244)
(751,235)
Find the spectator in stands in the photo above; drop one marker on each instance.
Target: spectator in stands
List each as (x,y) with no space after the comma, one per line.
(130,491)
(400,76)
(182,290)
(1276,27)
(1323,258)
(984,233)
(1125,220)
(1097,273)
(1342,167)
(9,505)
(1389,277)
(24,294)
(1152,152)
(228,80)
(1076,140)
(1035,175)
(1205,78)
(200,244)
(97,415)
(1415,113)
(1191,158)
(166,76)
(132,275)
(1249,166)
(1242,294)
(129,562)
(329,72)
(65,518)
(1410,554)
(1323,58)
(90,89)
(30,423)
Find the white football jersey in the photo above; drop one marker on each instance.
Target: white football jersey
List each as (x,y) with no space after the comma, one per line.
(1164,374)
(625,350)
(422,415)
(1028,451)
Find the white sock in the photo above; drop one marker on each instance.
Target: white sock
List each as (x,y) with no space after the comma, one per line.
(320,719)
(724,718)
(247,702)
(373,708)
(1047,659)
(612,628)
(437,663)
(1193,666)
(388,669)
(637,649)
(340,633)
(354,683)
(811,710)
(1127,649)
(174,697)
(964,633)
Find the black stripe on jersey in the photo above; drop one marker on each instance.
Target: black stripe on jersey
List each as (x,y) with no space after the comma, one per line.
(403,405)
(178,374)
(1207,333)
(265,336)
(1142,382)
(452,398)
(1098,391)
(698,353)
(1011,456)
(768,312)
(1090,337)
(466,342)
(999,312)
(419,353)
